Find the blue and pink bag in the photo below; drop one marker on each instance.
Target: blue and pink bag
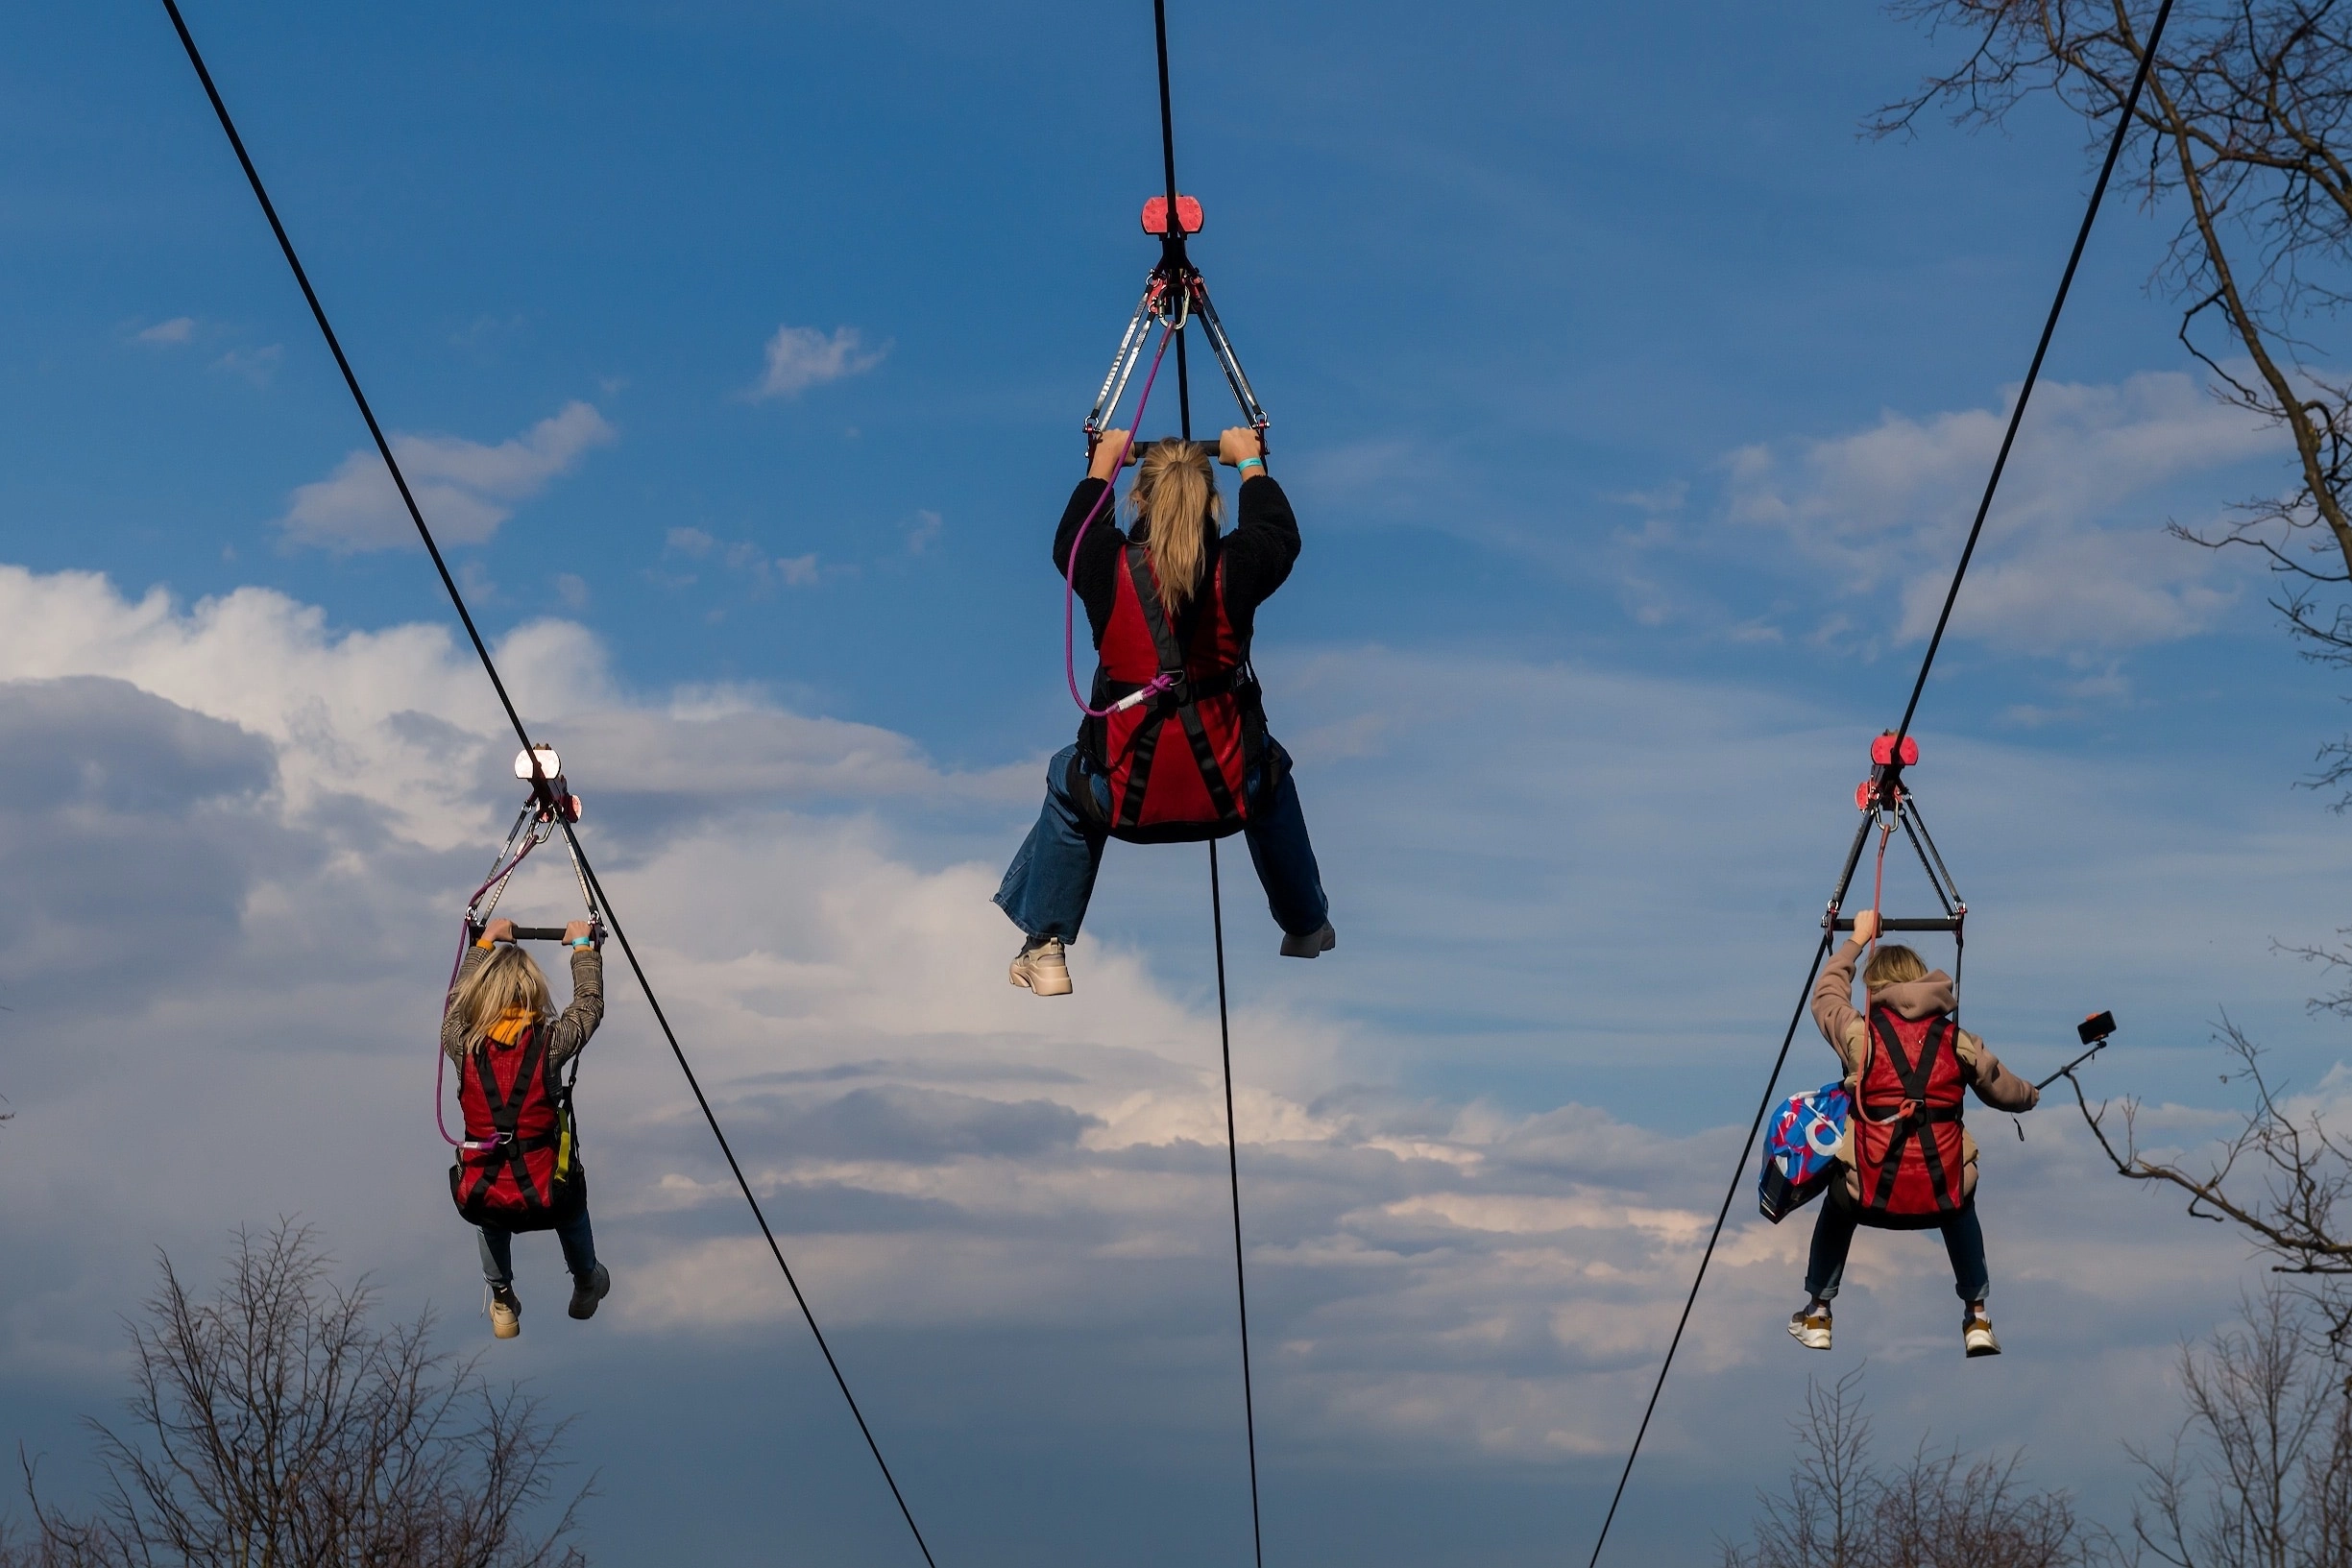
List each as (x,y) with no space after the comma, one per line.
(1801,1149)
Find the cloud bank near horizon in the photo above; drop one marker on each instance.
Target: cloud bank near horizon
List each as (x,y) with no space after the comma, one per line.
(238,836)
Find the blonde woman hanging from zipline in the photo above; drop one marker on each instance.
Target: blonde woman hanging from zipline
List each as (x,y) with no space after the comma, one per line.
(1173,748)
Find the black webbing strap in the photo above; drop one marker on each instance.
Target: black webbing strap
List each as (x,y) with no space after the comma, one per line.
(1914,1079)
(1155,614)
(1187,711)
(1141,749)
(505,1116)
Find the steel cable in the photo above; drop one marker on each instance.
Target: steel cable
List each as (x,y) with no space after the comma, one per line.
(539,783)
(1217,919)
(1967,551)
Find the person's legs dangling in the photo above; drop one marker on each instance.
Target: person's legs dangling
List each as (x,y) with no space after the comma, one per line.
(497,1249)
(1824,1270)
(579,1244)
(1051,880)
(590,1282)
(1284,857)
(1964,1245)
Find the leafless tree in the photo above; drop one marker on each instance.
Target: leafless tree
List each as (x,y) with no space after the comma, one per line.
(277,1425)
(2284,1179)
(2260,1474)
(1939,1511)
(2244,133)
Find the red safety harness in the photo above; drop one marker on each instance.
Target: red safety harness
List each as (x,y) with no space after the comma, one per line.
(1203,706)
(1908,1152)
(518,1167)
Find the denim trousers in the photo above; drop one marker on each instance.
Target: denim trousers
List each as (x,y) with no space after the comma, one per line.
(1833,1239)
(1047,888)
(579,1245)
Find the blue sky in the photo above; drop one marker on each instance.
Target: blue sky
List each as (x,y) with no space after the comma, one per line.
(1633,404)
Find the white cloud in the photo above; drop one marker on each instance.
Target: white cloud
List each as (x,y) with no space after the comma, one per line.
(801,357)
(167,334)
(1440,1278)
(465,487)
(2074,552)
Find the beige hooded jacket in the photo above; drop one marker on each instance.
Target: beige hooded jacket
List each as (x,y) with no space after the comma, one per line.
(1847,1029)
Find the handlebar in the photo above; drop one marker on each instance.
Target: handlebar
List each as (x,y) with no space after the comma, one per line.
(1941,922)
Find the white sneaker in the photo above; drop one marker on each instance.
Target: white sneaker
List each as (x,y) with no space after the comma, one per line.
(1809,1325)
(505,1312)
(1976,1332)
(1042,967)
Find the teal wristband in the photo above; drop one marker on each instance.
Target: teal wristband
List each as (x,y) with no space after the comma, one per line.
(1251,462)
(579,942)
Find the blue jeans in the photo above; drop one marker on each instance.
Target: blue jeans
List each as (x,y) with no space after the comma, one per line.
(1833,1238)
(498,1249)
(1051,880)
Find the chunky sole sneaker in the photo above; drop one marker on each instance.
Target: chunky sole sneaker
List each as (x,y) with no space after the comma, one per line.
(505,1314)
(1809,1328)
(587,1293)
(1311,944)
(1976,1334)
(1042,967)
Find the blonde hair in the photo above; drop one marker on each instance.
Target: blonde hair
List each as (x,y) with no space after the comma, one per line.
(1175,500)
(508,981)
(1894,964)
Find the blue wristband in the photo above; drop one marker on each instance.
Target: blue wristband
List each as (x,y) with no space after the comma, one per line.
(1248,462)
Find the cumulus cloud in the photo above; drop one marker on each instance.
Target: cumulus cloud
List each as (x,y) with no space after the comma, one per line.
(2073,553)
(801,357)
(1443,1273)
(466,487)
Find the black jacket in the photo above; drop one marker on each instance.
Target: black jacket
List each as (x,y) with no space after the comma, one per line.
(1257,554)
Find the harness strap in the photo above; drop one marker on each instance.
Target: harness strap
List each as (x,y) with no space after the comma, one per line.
(1186,709)
(1155,614)
(1913,1076)
(505,1112)
(1222,684)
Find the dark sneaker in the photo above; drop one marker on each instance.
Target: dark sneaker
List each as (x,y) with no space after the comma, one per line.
(505,1312)
(1311,944)
(1976,1333)
(1809,1325)
(587,1290)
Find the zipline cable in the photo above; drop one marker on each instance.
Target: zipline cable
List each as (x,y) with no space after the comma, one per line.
(1821,949)
(2033,372)
(539,783)
(1217,910)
